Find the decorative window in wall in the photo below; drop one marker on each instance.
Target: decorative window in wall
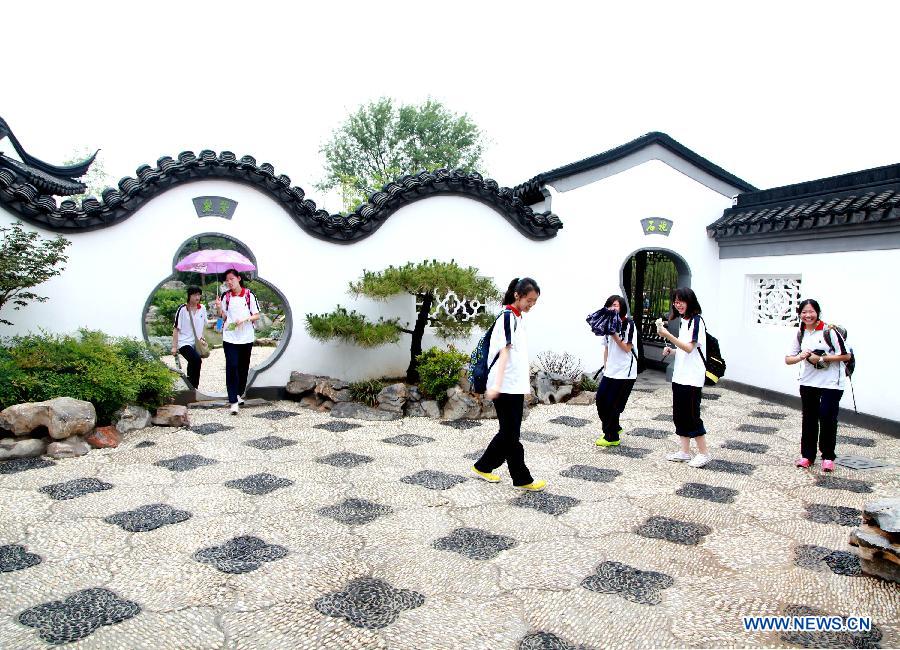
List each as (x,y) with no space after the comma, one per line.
(774,299)
(459,307)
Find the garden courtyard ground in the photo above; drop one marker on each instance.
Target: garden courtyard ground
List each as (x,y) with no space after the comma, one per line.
(285,528)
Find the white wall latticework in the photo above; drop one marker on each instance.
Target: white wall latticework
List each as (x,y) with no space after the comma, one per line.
(774,300)
(460,308)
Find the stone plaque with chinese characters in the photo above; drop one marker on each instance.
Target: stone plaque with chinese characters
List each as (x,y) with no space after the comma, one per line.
(656,226)
(214,206)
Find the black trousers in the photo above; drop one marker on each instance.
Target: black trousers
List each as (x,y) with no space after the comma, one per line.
(612,395)
(686,410)
(505,446)
(237,365)
(820,415)
(194,362)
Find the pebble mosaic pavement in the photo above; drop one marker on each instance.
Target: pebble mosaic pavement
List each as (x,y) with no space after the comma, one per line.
(270,530)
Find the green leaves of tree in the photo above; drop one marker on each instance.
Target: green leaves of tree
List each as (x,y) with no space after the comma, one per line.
(27,260)
(352,327)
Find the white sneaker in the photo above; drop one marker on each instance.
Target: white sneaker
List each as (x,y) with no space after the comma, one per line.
(700,460)
(678,457)
(240,400)
(235,409)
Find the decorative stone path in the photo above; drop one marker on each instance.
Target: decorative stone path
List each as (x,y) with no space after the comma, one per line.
(285,528)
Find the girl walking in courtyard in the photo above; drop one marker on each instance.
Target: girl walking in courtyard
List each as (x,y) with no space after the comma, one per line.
(821,351)
(238,308)
(688,377)
(509,380)
(619,373)
(187,333)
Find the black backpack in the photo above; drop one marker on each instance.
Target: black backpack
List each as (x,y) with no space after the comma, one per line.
(714,361)
(849,366)
(479,369)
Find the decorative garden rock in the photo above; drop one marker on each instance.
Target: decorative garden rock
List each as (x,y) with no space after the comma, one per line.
(104,438)
(460,405)
(431,408)
(584,398)
(300,383)
(310,401)
(171,415)
(62,416)
(22,447)
(69,448)
(363,412)
(877,541)
(393,397)
(131,418)
(333,390)
(414,410)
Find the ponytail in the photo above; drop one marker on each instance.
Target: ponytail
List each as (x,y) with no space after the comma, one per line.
(521,286)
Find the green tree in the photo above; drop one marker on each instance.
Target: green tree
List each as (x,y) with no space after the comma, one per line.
(425,281)
(27,260)
(381,141)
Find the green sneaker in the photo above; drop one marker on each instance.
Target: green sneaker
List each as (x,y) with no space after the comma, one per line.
(603,442)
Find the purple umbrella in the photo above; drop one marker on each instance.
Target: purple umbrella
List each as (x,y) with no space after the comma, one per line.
(215,261)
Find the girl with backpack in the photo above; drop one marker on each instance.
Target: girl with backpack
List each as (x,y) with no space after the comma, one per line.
(619,373)
(187,334)
(508,381)
(822,352)
(688,377)
(239,309)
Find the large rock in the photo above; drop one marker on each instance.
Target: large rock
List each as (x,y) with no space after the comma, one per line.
(583,398)
(104,438)
(414,394)
(63,417)
(432,408)
(393,397)
(460,405)
(543,387)
(301,383)
(22,447)
(414,410)
(877,541)
(131,418)
(171,415)
(334,390)
(68,448)
(363,412)
(488,411)
(312,401)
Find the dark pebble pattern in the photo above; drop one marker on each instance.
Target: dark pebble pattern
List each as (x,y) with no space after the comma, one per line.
(473,455)
(17,465)
(270,443)
(534,436)
(756,428)
(552,504)
(590,473)
(147,518)
(79,615)
(275,415)
(544,641)
(259,484)
(433,480)
(474,543)
(673,530)
(569,421)
(628,582)
(75,488)
(768,415)
(729,467)
(836,483)
(707,492)
(710,396)
(369,603)
(145,444)
(185,463)
(663,417)
(338,426)
(819,558)
(355,512)
(856,440)
(407,440)
(628,452)
(240,554)
(869,639)
(14,557)
(461,424)
(825,514)
(656,434)
(750,447)
(344,459)
(209,428)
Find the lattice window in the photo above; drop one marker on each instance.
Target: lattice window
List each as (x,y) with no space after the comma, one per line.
(774,299)
(460,308)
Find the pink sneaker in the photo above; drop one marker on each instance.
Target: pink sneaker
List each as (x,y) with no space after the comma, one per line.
(827,465)
(803,462)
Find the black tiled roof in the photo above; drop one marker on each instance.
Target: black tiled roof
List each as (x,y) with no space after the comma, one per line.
(23,198)
(855,200)
(530,191)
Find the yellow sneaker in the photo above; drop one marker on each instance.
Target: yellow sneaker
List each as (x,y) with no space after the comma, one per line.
(603,442)
(534,486)
(487,476)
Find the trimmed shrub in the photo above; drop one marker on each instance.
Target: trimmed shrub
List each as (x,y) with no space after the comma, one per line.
(166,302)
(108,372)
(366,391)
(588,385)
(440,370)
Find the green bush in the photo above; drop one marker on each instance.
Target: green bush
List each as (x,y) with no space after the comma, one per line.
(366,391)
(91,366)
(167,302)
(588,385)
(439,370)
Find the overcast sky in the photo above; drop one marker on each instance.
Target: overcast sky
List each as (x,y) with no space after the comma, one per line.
(774,92)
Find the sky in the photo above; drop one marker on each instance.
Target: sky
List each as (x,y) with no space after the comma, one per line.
(774,92)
